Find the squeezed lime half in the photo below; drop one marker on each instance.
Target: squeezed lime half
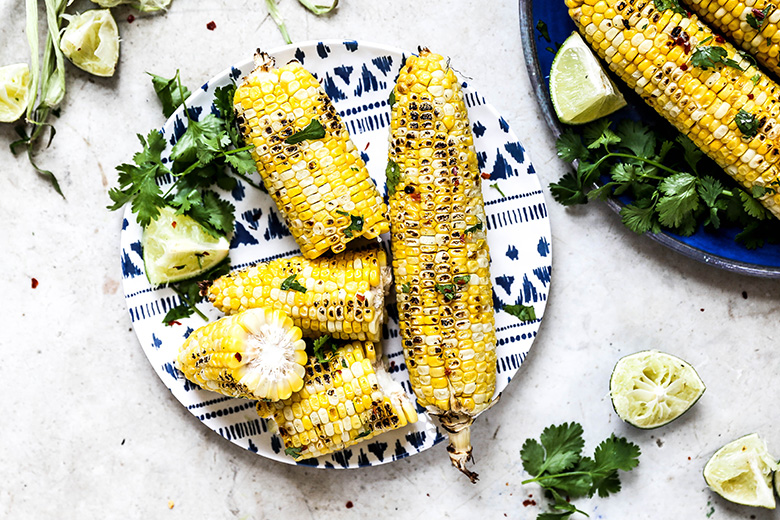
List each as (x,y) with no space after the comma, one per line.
(580,90)
(741,472)
(176,247)
(651,388)
(14,91)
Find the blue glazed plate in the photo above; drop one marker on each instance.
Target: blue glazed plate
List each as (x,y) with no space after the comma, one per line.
(711,247)
(359,78)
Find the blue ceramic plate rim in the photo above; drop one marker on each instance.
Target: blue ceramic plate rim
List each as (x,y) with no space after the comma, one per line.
(539,85)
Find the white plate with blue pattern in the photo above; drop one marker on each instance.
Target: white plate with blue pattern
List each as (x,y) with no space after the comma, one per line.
(358,76)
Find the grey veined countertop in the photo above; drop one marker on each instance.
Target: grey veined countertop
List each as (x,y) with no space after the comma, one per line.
(90,431)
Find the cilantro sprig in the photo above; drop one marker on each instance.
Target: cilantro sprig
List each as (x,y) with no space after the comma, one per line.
(710,56)
(674,5)
(557,464)
(191,292)
(662,181)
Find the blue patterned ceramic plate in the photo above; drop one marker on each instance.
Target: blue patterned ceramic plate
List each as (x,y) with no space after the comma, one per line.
(359,78)
(716,248)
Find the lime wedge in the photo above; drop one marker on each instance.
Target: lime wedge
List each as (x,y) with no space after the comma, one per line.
(176,247)
(741,472)
(651,388)
(14,91)
(581,91)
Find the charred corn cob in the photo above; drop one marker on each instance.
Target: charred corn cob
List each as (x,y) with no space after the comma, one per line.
(306,158)
(346,398)
(729,113)
(342,296)
(440,253)
(751,24)
(257,354)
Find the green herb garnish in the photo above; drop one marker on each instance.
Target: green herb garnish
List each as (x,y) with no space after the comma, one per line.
(462,279)
(393,174)
(496,187)
(557,464)
(314,130)
(170,92)
(674,5)
(355,225)
(747,123)
(391,99)
(475,227)
(661,177)
(290,284)
(710,56)
(406,288)
(756,17)
(543,31)
(318,346)
(447,290)
(294,452)
(524,312)
(191,293)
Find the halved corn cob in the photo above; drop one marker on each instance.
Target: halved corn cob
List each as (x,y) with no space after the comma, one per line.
(320,184)
(346,399)
(257,354)
(440,253)
(734,18)
(651,51)
(342,296)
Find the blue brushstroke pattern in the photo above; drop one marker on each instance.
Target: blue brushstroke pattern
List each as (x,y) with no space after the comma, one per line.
(187,332)
(479,129)
(204,87)
(529,291)
(194,112)
(416,439)
(276,229)
(252,217)
(323,50)
(363,460)
(252,446)
(129,269)
(378,449)
(276,444)
(543,247)
(543,274)
(531,169)
(239,192)
(136,248)
(242,237)
(400,450)
(367,83)
(497,303)
(342,457)
(505,281)
(178,130)
(383,63)
(300,55)
(344,72)
(501,168)
(516,150)
(481,160)
(125,223)
(503,124)
(156,342)
(351,45)
(335,93)
(169,369)
(365,157)
(512,252)
(235,73)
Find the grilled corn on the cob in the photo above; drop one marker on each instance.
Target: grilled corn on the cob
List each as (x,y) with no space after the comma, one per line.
(318,180)
(257,354)
(345,399)
(729,113)
(342,296)
(751,24)
(440,253)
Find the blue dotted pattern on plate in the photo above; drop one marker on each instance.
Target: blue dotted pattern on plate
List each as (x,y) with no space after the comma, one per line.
(359,78)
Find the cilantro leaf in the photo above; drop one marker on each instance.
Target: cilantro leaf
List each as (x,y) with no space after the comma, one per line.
(679,200)
(314,130)
(752,206)
(318,346)
(639,216)
(200,142)
(291,284)
(524,312)
(756,17)
(636,137)
(598,134)
(356,224)
(613,454)
(393,174)
(569,146)
(710,56)
(674,5)
(691,153)
(170,92)
(747,123)
(242,162)
(562,445)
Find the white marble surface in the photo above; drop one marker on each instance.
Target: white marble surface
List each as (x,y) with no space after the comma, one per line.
(89,431)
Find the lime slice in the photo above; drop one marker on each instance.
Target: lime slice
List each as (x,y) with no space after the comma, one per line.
(741,472)
(652,388)
(581,91)
(176,247)
(14,91)
(91,41)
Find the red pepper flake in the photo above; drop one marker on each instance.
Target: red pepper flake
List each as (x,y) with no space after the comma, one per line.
(238,356)
(456,182)
(211,25)
(684,66)
(529,502)
(415,197)
(485,175)
(130,18)
(173,322)
(367,145)
(173,224)
(758,14)
(34,283)
(349,504)
(720,39)
(751,96)
(361,298)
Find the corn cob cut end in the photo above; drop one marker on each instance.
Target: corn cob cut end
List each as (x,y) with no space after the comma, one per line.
(344,401)
(257,354)
(458,427)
